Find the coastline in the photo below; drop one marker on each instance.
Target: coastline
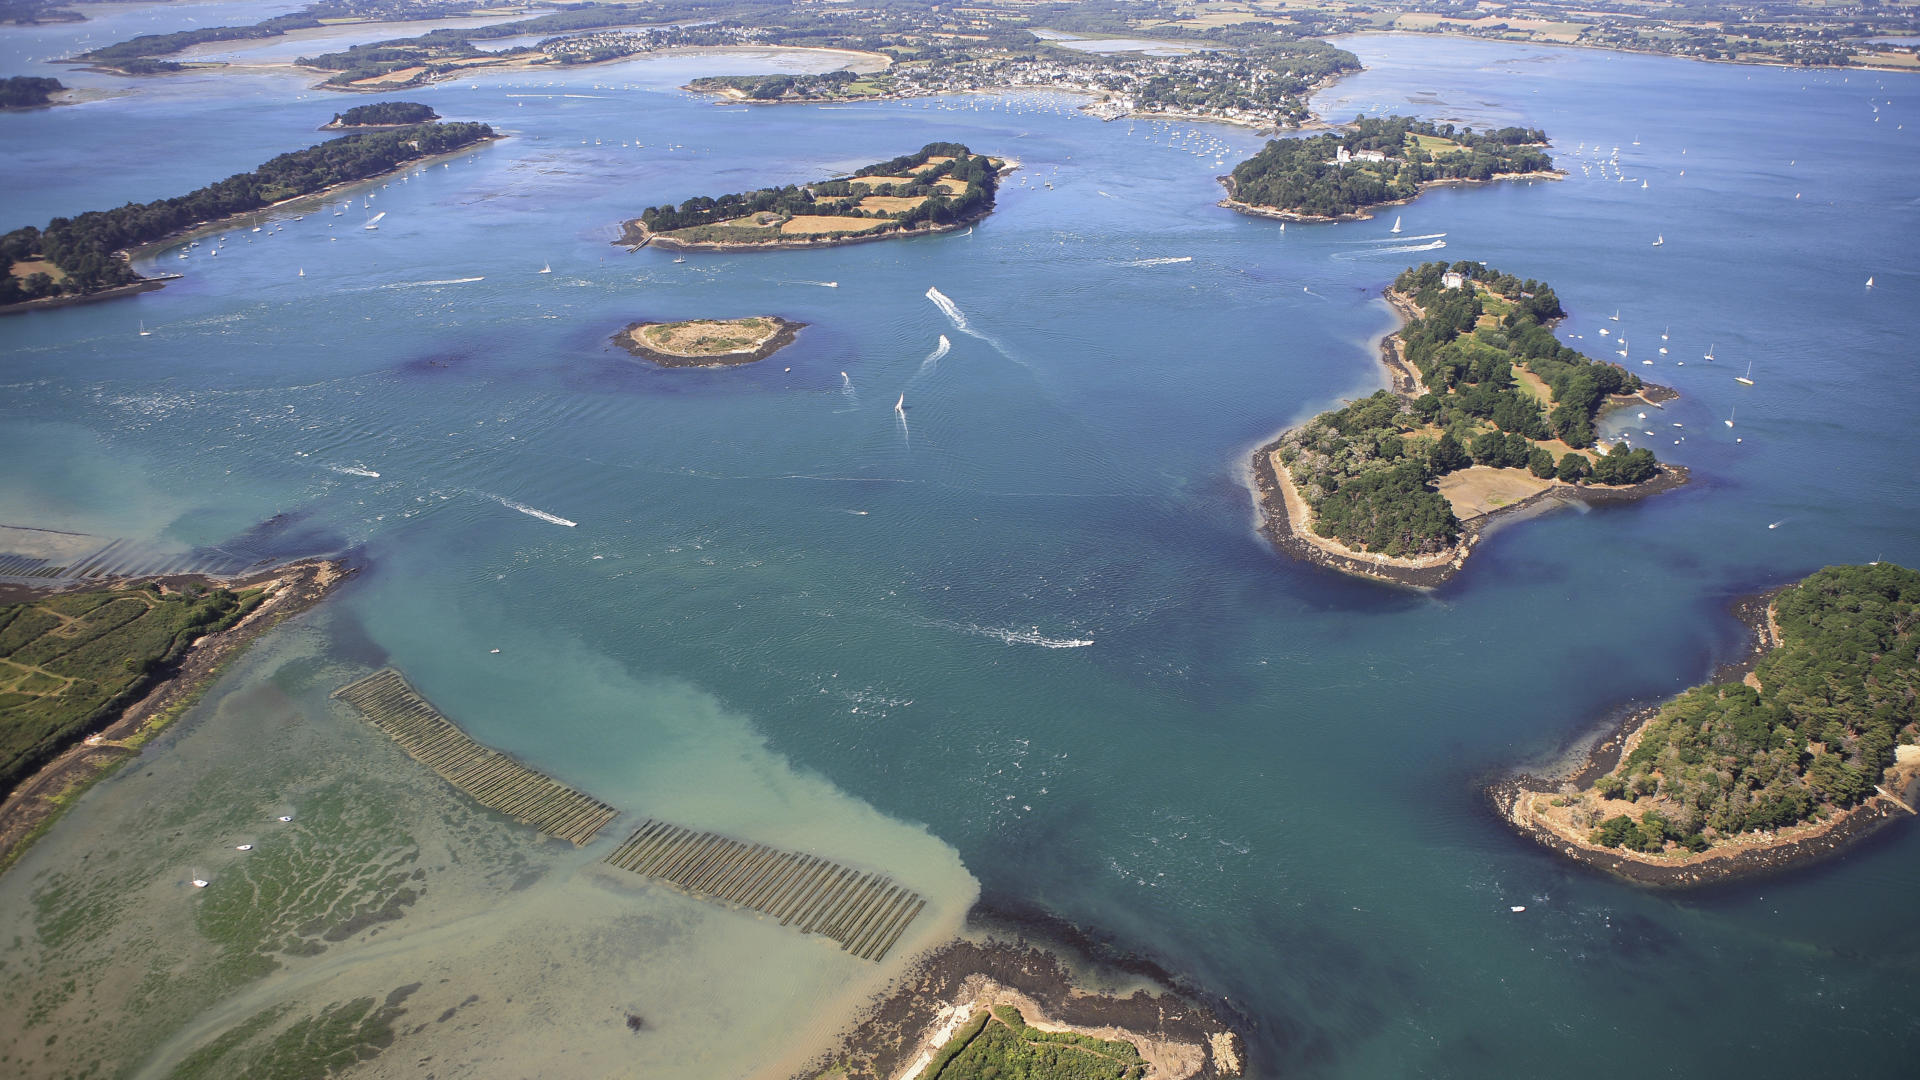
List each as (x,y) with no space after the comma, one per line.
(1513,797)
(1059,978)
(1363,214)
(147,283)
(628,339)
(32,807)
(1284,513)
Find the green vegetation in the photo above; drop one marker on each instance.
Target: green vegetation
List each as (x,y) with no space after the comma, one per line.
(71,662)
(85,248)
(1302,176)
(768,210)
(389,113)
(1000,1045)
(136,56)
(27,91)
(311,1048)
(1836,696)
(1366,469)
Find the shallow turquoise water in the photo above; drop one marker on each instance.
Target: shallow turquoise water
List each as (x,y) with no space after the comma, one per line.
(1035,617)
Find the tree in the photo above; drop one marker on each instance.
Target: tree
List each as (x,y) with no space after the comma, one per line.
(1540,463)
(1573,467)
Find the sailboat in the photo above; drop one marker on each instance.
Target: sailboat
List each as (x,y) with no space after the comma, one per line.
(1709,355)
(1396,226)
(1616,315)
(374,222)
(1730,415)
(1663,333)
(144,332)
(546,268)
(1659,240)
(1748,377)
(901,405)
(303,271)
(1869,282)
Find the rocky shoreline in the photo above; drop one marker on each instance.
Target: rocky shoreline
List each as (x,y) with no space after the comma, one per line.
(1800,846)
(1022,958)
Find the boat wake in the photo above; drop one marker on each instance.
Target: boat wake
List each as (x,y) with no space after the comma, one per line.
(1399,239)
(1030,636)
(353,470)
(940,350)
(950,310)
(424,284)
(1168,261)
(554,519)
(1402,249)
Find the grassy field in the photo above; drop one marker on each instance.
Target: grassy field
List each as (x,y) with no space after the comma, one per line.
(709,337)
(811,225)
(28,267)
(892,204)
(69,662)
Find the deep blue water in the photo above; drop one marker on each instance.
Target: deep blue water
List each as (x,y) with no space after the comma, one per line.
(1264,775)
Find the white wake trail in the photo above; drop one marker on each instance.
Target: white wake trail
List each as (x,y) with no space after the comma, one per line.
(940,350)
(424,284)
(554,519)
(1401,250)
(353,470)
(1168,261)
(948,309)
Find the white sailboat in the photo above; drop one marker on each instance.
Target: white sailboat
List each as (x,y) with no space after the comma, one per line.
(1616,315)
(1709,355)
(546,268)
(374,222)
(901,405)
(303,271)
(1396,226)
(144,332)
(1748,377)
(1659,240)
(1869,282)
(1663,333)
(1730,415)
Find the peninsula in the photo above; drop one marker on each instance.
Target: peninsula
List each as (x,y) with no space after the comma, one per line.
(28,92)
(941,188)
(89,256)
(1792,755)
(1489,414)
(89,677)
(709,342)
(1337,176)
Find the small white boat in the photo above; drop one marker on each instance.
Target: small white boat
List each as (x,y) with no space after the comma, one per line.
(901,405)
(1659,240)
(1663,333)
(1616,315)
(1396,226)
(200,883)
(243,847)
(1709,355)
(546,268)
(1730,414)
(144,332)
(303,271)
(680,259)
(374,222)
(1746,379)
(1869,282)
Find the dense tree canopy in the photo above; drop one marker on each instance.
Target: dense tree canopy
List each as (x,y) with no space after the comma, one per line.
(1301,176)
(1835,698)
(85,248)
(26,91)
(386,113)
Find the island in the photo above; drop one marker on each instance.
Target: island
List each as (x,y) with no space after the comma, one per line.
(1489,415)
(28,92)
(942,187)
(1374,162)
(88,257)
(88,677)
(381,114)
(709,342)
(1791,755)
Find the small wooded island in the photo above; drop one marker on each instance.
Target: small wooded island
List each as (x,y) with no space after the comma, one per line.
(381,114)
(942,187)
(1807,746)
(28,91)
(1376,162)
(1489,414)
(709,342)
(89,256)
